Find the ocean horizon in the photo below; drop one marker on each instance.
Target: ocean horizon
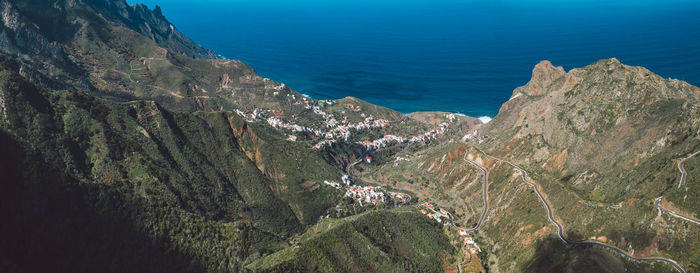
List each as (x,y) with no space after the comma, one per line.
(454,56)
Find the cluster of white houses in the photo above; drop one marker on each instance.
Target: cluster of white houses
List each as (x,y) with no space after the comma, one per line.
(440,215)
(388,139)
(366,194)
(306,101)
(332,184)
(399,159)
(469,241)
(382,142)
(341,130)
(473,135)
(401,198)
(334,129)
(344,129)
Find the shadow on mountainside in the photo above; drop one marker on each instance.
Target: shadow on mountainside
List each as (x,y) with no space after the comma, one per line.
(48,224)
(553,255)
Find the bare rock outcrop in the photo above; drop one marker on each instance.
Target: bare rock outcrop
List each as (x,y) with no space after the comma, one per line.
(604,112)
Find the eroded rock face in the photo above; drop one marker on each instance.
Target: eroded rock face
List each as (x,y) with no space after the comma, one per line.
(123,51)
(38,23)
(602,112)
(154,25)
(543,76)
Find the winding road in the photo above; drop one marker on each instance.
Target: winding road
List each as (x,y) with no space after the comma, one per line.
(684,176)
(657,204)
(484,194)
(681,167)
(560,228)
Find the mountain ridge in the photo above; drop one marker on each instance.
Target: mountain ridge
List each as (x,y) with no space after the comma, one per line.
(204,165)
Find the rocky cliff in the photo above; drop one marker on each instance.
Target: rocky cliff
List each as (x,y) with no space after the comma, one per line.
(596,120)
(127,147)
(602,142)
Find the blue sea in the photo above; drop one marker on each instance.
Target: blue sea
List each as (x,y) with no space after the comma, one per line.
(448,55)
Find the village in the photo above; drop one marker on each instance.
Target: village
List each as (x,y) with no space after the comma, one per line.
(365,195)
(389,139)
(341,130)
(336,130)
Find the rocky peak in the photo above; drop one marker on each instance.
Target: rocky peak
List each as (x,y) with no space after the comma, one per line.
(158,12)
(544,70)
(604,112)
(609,64)
(543,75)
(154,25)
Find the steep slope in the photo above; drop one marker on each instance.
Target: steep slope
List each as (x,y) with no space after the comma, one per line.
(50,18)
(122,51)
(127,147)
(593,122)
(182,183)
(398,240)
(189,164)
(40,32)
(126,53)
(154,190)
(602,142)
(130,52)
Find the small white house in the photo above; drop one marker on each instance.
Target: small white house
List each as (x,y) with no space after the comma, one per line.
(469,240)
(346,180)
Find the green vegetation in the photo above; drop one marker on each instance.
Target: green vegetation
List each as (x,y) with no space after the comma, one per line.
(121,152)
(553,256)
(183,182)
(398,240)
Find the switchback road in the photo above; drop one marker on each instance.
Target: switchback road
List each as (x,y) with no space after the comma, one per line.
(560,228)
(684,176)
(657,203)
(681,167)
(484,194)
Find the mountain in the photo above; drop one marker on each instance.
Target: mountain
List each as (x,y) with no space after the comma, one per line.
(123,151)
(128,147)
(602,142)
(591,117)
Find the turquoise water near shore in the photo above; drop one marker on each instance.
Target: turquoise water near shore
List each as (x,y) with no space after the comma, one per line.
(457,56)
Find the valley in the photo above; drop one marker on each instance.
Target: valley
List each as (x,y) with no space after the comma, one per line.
(128,147)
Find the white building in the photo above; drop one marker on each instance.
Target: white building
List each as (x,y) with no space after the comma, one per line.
(346,180)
